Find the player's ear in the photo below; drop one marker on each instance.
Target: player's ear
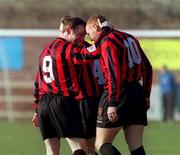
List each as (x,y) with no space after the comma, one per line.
(95,27)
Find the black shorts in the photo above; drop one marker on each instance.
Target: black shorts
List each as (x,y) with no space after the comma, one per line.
(89,108)
(62,117)
(131,109)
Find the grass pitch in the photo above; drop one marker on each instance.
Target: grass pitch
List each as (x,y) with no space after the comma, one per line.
(22,139)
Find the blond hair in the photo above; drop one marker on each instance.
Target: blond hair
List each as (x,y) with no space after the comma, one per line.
(94,19)
(99,21)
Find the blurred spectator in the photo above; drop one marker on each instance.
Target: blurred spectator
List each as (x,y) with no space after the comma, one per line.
(168,88)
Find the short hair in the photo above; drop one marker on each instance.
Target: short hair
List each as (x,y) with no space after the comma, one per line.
(72,22)
(79,21)
(94,19)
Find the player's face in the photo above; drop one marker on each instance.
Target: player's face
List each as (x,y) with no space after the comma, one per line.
(62,31)
(91,30)
(66,32)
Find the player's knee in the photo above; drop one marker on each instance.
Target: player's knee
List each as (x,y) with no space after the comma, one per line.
(108,148)
(52,151)
(79,152)
(98,143)
(97,146)
(138,151)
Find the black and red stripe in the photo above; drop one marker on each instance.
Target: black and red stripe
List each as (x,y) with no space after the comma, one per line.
(65,58)
(115,64)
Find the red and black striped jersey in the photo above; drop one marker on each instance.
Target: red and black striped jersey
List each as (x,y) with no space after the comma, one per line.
(58,73)
(123,60)
(87,81)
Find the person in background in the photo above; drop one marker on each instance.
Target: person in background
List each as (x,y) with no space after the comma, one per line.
(60,102)
(168,89)
(128,81)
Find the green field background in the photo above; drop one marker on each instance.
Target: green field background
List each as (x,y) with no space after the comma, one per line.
(162,52)
(22,139)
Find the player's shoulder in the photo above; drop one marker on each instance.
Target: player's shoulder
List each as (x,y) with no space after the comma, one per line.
(118,35)
(127,35)
(52,43)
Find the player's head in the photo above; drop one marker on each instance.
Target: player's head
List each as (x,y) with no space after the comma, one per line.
(72,27)
(95,24)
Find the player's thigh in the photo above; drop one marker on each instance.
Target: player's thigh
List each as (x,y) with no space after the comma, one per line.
(77,143)
(134,135)
(52,146)
(105,135)
(45,121)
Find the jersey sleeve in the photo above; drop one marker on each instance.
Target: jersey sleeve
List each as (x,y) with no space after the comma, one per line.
(37,95)
(147,74)
(83,55)
(113,73)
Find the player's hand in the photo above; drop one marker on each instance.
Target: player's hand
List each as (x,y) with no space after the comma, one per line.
(112,114)
(147,103)
(35,120)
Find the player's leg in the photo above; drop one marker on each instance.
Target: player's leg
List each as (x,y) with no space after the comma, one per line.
(52,146)
(46,127)
(82,145)
(106,131)
(136,118)
(89,108)
(134,138)
(75,135)
(77,145)
(104,139)
(91,146)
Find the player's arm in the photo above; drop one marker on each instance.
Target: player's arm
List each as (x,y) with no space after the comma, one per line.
(37,96)
(111,61)
(82,55)
(147,74)
(109,54)
(36,91)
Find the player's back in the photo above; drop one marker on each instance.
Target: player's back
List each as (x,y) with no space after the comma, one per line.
(133,63)
(130,55)
(57,71)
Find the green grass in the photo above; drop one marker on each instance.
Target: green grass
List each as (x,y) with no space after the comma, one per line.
(159,139)
(22,139)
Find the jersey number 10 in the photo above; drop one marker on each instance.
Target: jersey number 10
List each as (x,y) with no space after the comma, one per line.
(134,56)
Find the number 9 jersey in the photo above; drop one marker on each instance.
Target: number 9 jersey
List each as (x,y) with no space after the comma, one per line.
(58,73)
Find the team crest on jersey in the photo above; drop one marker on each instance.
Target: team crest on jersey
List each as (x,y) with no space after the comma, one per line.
(91,48)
